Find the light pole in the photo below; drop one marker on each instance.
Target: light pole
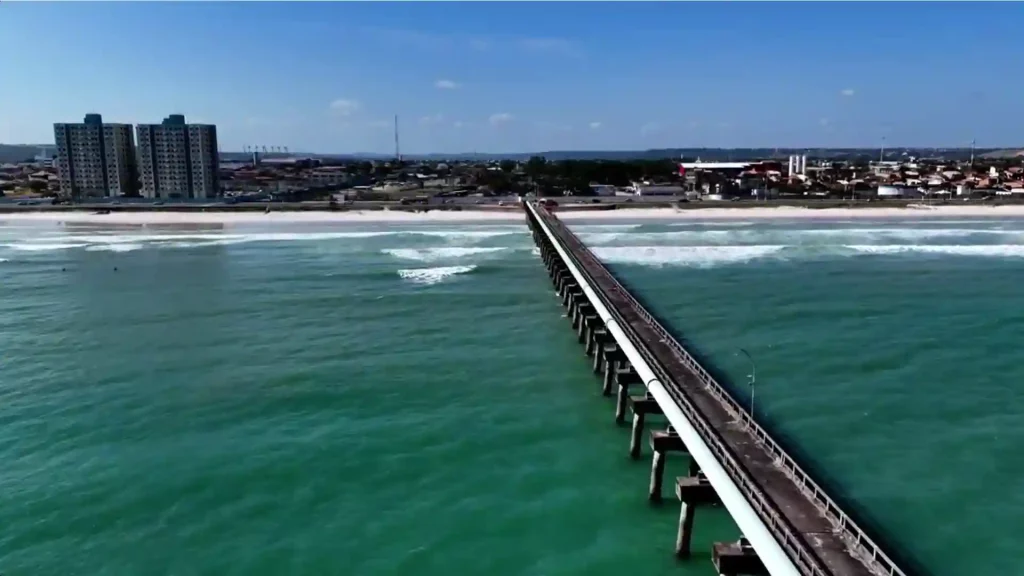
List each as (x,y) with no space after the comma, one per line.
(752,380)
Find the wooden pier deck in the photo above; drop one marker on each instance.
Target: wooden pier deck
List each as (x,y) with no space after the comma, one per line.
(818,537)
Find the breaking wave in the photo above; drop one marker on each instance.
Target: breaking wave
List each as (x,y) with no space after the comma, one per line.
(710,256)
(434,254)
(792,237)
(126,247)
(990,250)
(104,242)
(696,256)
(43,246)
(430,276)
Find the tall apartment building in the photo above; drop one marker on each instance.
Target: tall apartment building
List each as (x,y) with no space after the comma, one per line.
(178,160)
(95,159)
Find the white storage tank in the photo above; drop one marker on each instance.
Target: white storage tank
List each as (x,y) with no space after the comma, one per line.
(886,191)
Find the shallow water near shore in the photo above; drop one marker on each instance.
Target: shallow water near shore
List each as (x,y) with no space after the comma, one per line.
(393,398)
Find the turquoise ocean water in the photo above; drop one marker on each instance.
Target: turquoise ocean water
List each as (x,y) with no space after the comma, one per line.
(407,398)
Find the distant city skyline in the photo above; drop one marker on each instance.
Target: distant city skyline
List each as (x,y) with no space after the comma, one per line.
(521,77)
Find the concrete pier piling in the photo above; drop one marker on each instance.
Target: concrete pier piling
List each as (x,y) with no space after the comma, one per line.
(662,442)
(586,317)
(641,407)
(573,292)
(624,378)
(693,491)
(608,381)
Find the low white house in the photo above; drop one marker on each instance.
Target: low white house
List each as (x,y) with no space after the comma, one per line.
(645,189)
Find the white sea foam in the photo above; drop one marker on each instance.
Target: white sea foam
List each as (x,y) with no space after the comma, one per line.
(466,234)
(43,246)
(125,247)
(713,223)
(433,275)
(594,228)
(101,238)
(907,234)
(991,250)
(229,238)
(695,256)
(815,236)
(435,254)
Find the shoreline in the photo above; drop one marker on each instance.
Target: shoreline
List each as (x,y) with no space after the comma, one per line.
(485,215)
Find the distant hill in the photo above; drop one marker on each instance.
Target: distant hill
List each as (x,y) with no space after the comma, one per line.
(1002,154)
(10,153)
(709,154)
(25,152)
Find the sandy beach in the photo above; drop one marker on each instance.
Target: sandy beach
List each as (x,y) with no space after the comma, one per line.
(750,214)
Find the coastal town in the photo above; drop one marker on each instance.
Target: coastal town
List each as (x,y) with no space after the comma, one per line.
(174,162)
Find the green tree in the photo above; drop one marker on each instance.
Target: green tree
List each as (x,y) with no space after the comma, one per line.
(536,166)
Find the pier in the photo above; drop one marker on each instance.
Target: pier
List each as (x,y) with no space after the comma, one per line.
(789,523)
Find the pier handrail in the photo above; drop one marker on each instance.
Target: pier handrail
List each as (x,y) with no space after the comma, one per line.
(853,534)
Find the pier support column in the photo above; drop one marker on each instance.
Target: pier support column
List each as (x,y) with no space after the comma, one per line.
(693,491)
(641,406)
(561,280)
(636,434)
(684,535)
(610,367)
(573,291)
(593,337)
(598,344)
(657,476)
(606,350)
(625,378)
(662,442)
(586,322)
(620,403)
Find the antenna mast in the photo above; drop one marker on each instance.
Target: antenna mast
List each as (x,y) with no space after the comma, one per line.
(398,154)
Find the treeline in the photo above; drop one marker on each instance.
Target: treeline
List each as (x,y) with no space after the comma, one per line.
(572,176)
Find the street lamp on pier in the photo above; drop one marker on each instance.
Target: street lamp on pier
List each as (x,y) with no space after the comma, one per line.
(751,380)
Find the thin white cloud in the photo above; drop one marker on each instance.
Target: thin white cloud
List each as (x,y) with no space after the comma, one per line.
(458,124)
(345,107)
(650,128)
(595,125)
(500,118)
(552,126)
(824,121)
(446,85)
(444,41)
(560,46)
(847,92)
(433,119)
(410,38)
(380,123)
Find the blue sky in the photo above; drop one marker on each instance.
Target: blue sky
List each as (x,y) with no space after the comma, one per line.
(513,77)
